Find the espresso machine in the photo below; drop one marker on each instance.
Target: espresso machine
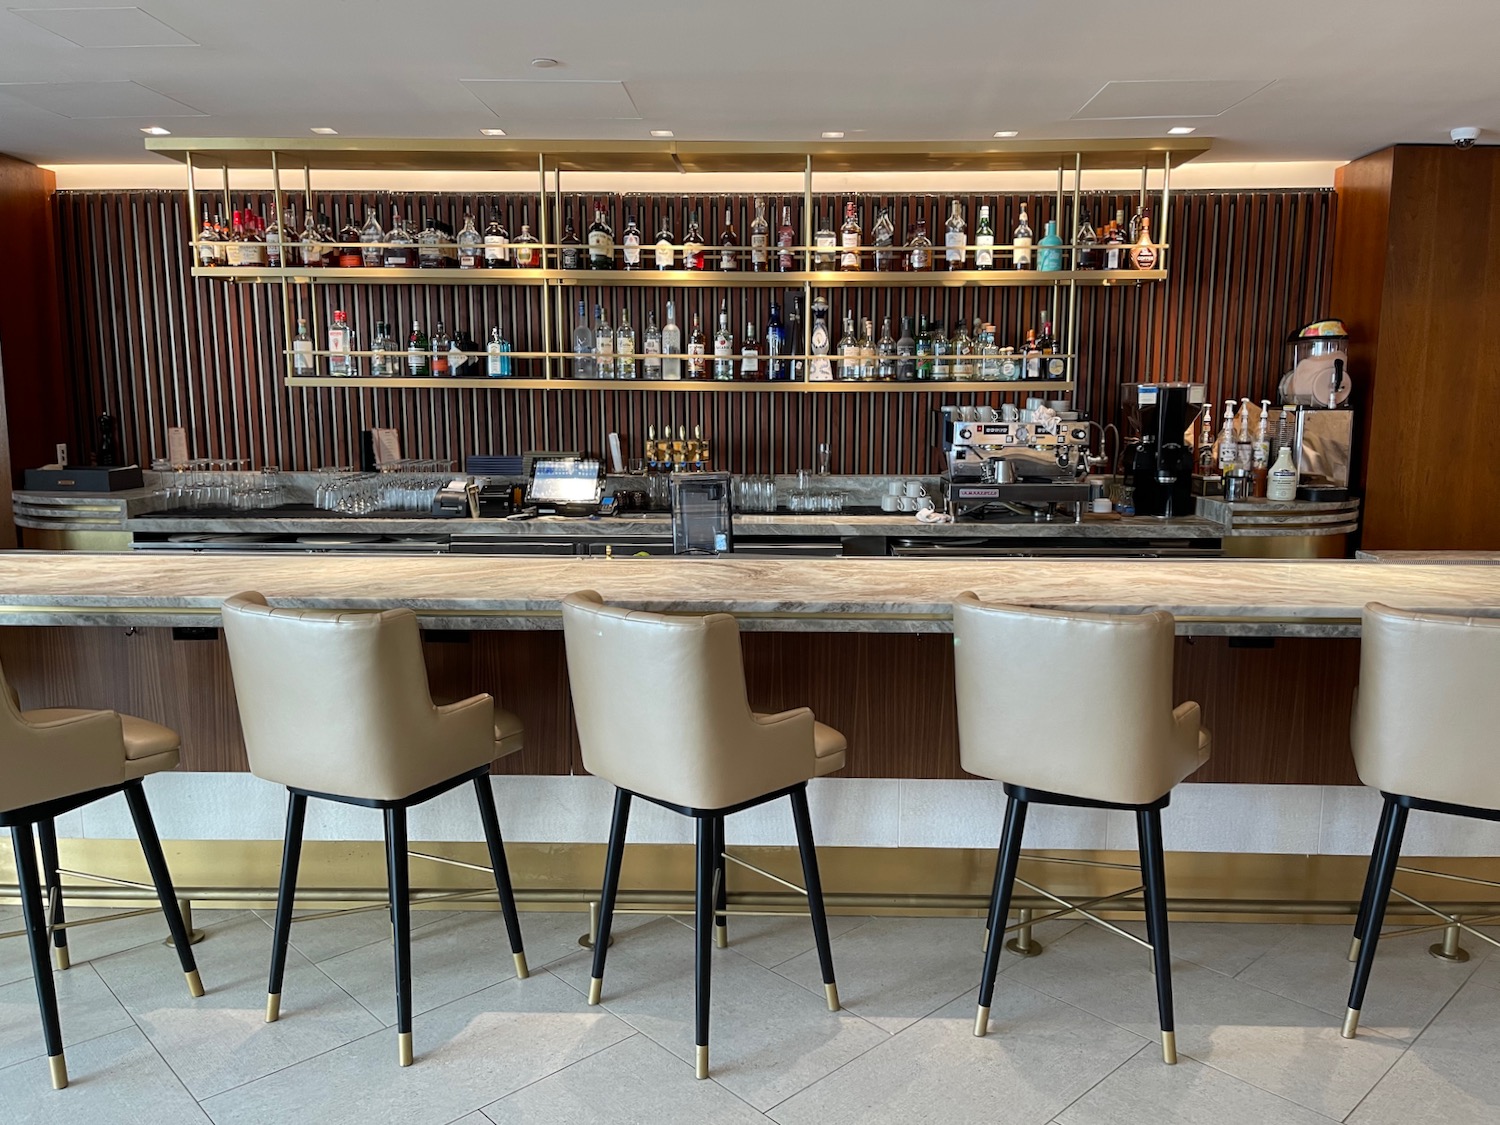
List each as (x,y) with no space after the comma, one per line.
(1159,455)
(1020,467)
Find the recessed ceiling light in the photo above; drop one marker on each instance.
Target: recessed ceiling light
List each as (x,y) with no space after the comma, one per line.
(1007,133)
(833,135)
(1182,130)
(545,64)
(325,131)
(156,131)
(662,133)
(493,132)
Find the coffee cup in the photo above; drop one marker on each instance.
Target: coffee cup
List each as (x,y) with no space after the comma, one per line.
(924,504)
(890,503)
(909,503)
(914,488)
(1009,413)
(894,488)
(984,413)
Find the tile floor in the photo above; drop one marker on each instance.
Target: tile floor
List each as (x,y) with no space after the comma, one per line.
(1072,1041)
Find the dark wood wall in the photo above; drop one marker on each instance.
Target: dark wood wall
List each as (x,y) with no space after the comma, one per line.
(157,348)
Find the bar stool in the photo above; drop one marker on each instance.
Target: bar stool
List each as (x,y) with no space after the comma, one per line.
(1425,718)
(336,705)
(662,715)
(55,760)
(1122,746)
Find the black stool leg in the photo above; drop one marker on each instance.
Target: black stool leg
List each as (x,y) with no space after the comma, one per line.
(703,908)
(36,938)
(156,863)
(814,885)
(721,884)
(1006,862)
(1364,901)
(291,855)
(1154,875)
(507,894)
(613,857)
(400,891)
(46,831)
(1387,854)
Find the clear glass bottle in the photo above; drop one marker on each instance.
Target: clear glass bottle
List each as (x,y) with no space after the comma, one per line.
(441,345)
(786,238)
(919,249)
(984,240)
(382,347)
(825,242)
(697,365)
(729,241)
(963,354)
(371,235)
(497,355)
(1049,256)
(630,242)
(583,344)
(429,248)
(570,249)
(1020,252)
(906,353)
(850,257)
(885,353)
(525,246)
(470,244)
(989,354)
(867,351)
(849,351)
(692,245)
(820,367)
(671,346)
(625,347)
(724,347)
(955,244)
(604,345)
(760,231)
(651,346)
(302,349)
(942,354)
(340,363)
(778,367)
(1031,356)
(399,250)
(416,351)
(666,242)
(883,235)
(496,240)
(601,242)
(750,354)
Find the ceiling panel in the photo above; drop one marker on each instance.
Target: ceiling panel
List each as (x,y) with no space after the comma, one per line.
(1140,98)
(105,27)
(97,100)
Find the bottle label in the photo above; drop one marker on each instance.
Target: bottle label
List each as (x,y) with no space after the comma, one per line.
(207,254)
(696,365)
(1057,367)
(1022,253)
(233,253)
(653,365)
(1010,369)
(758,253)
(728,260)
(273,250)
(984,251)
(920,259)
(601,246)
(632,250)
(525,256)
(468,257)
(371,254)
(955,242)
(302,359)
(723,348)
(604,348)
(495,365)
(785,259)
(850,258)
(750,362)
(1143,257)
(350,258)
(338,340)
(665,252)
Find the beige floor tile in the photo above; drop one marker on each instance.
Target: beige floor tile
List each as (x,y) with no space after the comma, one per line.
(1224,947)
(1146,1092)
(1449,1075)
(772,941)
(221,1039)
(1039,1056)
(323,938)
(635,1082)
(87,1010)
(468,1054)
(1267,1040)
(88,943)
(116,1079)
(769,1037)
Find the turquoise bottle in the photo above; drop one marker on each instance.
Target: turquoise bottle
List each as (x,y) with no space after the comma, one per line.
(1049,257)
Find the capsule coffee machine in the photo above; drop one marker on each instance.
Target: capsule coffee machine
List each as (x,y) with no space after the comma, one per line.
(1159,457)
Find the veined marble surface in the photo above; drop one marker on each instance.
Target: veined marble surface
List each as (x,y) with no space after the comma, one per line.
(1276,597)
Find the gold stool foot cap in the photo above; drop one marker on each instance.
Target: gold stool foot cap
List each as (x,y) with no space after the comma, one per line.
(596,988)
(832,992)
(403,1048)
(1354,949)
(273,1007)
(1169,1047)
(59,1066)
(703,1061)
(195,984)
(1351,1023)
(522,972)
(982,1021)
(64,960)
(721,936)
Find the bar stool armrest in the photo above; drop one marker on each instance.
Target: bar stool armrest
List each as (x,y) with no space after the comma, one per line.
(464,728)
(57,757)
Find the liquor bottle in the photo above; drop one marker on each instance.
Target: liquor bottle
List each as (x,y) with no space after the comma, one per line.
(416,350)
(919,249)
(760,255)
(525,246)
(258,241)
(371,236)
(583,344)
(820,369)
(208,242)
(906,353)
(221,247)
(692,245)
(794,335)
(570,252)
(1114,254)
(1020,254)
(1049,257)
(989,353)
(724,346)
(849,351)
(956,251)
(984,240)
(749,354)
(497,355)
(849,235)
(274,237)
(786,238)
(237,241)
(302,349)
(963,354)
(1032,355)
(308,253)
(496,241)
(729,241)
(625,347)
(630,241)
(441,345)
(824,240)
(1054,366)
(671,346)
(942,354)
(351,244)
(604,345)
(666,242)
(326,240)
(697,366)
(601,242)
(1134,232)
(429,252)
(382,362)
(867,350)
(778,368)
(1086,247)
(338,345)
(924,351)
(651,346)
(470,245)
(1143,254)
(883,236)
(398,250)
(885,353)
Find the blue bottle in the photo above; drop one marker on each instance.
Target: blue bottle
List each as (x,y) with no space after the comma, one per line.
(1049,257)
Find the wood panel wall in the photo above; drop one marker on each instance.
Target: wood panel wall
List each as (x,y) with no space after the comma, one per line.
(157,348)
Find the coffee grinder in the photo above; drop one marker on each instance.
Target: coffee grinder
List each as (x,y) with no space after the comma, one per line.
(1159,458)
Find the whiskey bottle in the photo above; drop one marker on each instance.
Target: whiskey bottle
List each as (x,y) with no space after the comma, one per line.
(729,241)
(1032,354)
(208,242)
(1114,241)
(786,238)
(883,236)
(496,240)
(601,242)
(570,254)
(750,354)
(273,238)
(470,244)
(849,235)
(760,256)
(371,236)
(984,240)
(630,242)
(398,250)
(236,244)
(956,252)
(824,242)
(524,248)
(1020,253)
(429,248)
(351,244)
(666,242)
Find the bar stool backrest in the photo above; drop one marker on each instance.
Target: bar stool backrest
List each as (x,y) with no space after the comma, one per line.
(1427,716)
(662,711)
(337,702)
(1071,703)
(43,761)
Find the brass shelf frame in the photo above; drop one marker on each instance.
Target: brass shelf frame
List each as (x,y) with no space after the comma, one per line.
(562,383)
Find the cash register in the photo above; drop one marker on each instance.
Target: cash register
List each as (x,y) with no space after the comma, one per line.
(565,486)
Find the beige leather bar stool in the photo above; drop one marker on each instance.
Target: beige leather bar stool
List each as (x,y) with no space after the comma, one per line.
(1425,722)
(662,715)
(336,705)
(53,761)
(1122,746)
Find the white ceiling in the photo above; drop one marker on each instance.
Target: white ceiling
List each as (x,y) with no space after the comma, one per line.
(1287,79)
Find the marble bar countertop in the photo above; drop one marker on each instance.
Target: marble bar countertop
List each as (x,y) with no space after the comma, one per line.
(1240,596)
(1470,558)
